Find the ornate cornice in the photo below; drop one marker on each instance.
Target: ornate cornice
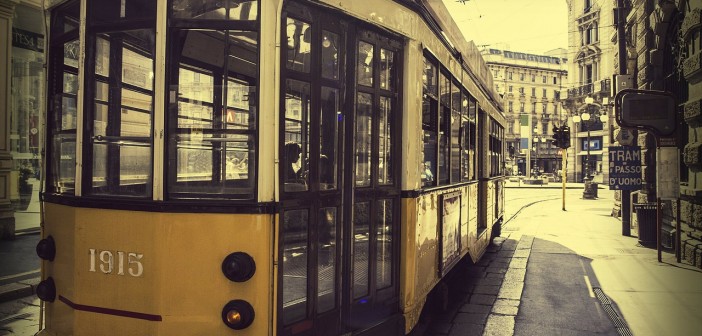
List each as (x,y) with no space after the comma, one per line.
(7,7)
(692,20)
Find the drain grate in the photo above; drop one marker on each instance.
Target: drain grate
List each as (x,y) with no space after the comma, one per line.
(619,323)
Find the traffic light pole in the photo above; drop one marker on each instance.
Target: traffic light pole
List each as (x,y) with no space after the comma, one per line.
(564,173)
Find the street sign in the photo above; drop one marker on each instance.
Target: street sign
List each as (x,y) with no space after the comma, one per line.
(649,110)
(625,137)
(624,168)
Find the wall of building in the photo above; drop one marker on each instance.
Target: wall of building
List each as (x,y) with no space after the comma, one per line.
(540,72)
(667,44)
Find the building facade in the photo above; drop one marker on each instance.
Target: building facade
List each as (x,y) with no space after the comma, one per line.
(593,50)
(530,86)
(22,105)
(665,42)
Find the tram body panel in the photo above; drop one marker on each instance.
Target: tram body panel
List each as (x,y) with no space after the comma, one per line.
(170,270)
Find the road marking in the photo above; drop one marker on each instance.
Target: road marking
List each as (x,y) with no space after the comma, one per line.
(589,286)
(19,274)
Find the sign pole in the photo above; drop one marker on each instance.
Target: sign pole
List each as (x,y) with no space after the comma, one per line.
(563,174)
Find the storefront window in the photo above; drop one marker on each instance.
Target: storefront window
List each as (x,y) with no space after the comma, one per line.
(26,107)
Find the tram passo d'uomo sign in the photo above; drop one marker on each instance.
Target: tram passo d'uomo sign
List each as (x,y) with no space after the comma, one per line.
(624,167)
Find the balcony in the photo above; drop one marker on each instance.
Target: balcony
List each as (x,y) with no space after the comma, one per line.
(600,87)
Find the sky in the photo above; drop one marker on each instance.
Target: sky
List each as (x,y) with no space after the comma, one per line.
(529,26)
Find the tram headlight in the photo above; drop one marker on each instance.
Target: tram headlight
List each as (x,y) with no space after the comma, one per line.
(238,314)
(46,290)
(46,248)
(238,267)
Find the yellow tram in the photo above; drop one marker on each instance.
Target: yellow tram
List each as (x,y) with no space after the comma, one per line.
(261,167)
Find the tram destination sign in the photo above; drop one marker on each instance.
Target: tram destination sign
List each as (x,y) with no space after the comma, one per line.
(624,168)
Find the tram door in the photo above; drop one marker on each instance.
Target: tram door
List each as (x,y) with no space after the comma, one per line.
(339,164)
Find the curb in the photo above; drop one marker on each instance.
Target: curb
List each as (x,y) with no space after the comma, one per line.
(19,289)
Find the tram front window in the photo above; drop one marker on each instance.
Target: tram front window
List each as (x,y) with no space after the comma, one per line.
(212,146)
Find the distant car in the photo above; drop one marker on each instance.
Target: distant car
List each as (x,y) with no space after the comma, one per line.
(549,177)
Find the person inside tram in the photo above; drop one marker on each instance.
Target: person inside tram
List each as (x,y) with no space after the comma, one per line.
(292,155)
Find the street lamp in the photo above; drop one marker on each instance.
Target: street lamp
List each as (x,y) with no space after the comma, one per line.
(587,112)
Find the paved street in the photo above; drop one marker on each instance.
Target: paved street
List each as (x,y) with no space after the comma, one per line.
(571,272)
(552,272)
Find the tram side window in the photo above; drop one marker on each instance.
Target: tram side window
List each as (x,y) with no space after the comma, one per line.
(212,124)
(444,127)
(122,112)
(455,133)
(297,115)
(472,139)
(465,137)
(430,106)
(246,10)
(63,86)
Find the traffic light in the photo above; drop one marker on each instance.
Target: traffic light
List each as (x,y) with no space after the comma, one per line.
(557,137)
(565,137)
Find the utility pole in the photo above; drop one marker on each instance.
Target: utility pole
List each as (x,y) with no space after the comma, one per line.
(621,43)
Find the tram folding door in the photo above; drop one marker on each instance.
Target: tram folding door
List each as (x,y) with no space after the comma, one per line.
(339,175)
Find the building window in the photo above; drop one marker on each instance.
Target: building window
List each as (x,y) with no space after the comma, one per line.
(533,92)
(510,88)
(521,107)
(509,75)
(533,107)
(544,108)
(555,80)
(511,107)
(521,91)
(521,77)
(543,79)
(544,93)
(533,78)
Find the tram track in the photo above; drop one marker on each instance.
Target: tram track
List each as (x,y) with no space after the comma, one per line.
(506,223)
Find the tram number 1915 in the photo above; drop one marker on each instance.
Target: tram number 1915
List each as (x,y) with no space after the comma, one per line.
(107,262)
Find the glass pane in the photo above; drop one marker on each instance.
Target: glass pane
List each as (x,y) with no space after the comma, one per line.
(121,168)
(385,163)
(326,260)
(429,77)
(107,10)
(297,107)
(444,88)
(329,128)
(364,127)
(330,55)
(455,96)
(364,65)
(240,105)
(361,245)
(216,165)
(122,118)
(384,244)
(215,10)
(137,69)
(299,35)
(64,163)
(444,120)
(70,54)
(465,149)
(214,138)
(387,71)
(102,57)
(455,146)
(294,266)
(66,20)
(428,165)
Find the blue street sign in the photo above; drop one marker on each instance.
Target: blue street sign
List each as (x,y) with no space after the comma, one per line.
(625,168)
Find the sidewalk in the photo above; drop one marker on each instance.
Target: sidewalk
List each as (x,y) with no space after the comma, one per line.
(557,272)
